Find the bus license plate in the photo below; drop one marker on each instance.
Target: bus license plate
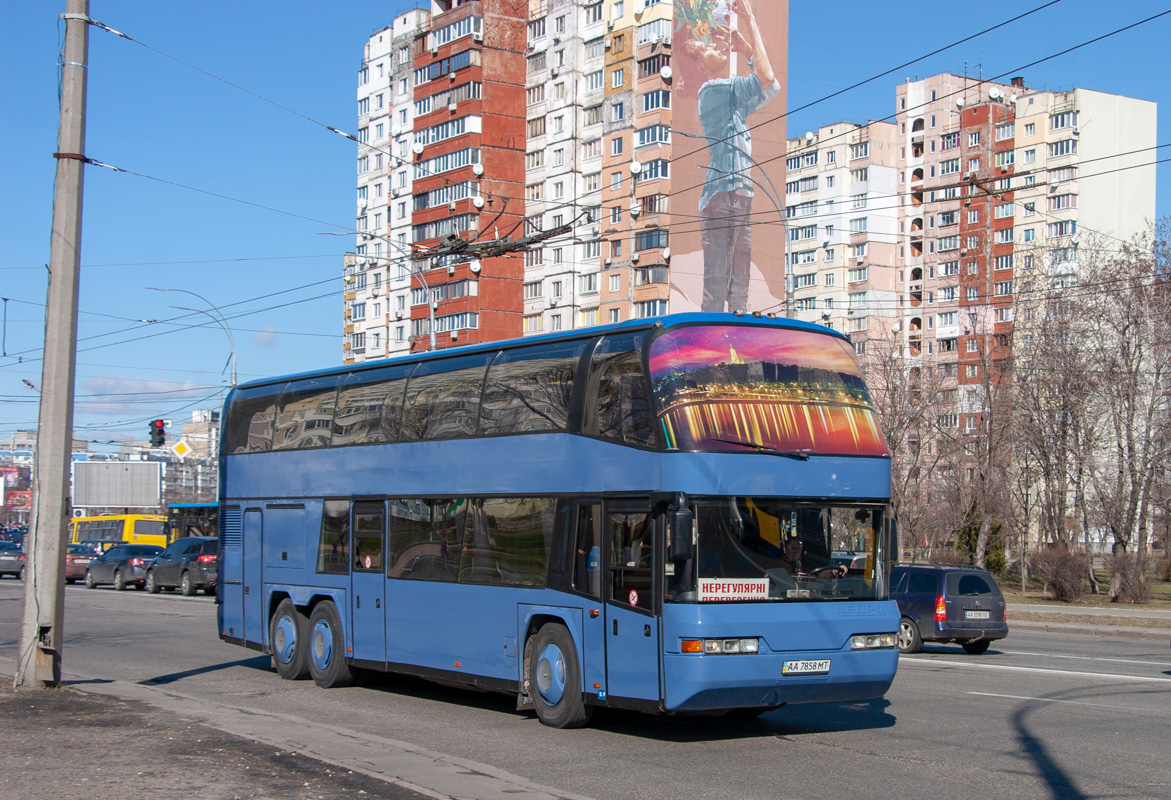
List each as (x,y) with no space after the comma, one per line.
(976,615)
(818,666)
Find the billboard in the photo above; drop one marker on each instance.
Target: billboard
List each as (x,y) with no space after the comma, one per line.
(117,484)
(729,128)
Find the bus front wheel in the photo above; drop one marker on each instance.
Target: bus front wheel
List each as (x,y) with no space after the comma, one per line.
(327,648)
(288,634)
(555,679)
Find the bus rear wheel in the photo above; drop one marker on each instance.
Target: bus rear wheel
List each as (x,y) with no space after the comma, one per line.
(288,633)
(327,648)
(555,679)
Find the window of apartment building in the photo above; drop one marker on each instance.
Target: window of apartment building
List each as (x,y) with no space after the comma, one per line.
(858,201)
(949,140)
(558,190)
(1003,210)
(1062,201)
(973,216)
(1065,147)
(658,98)
(559,90)
(1065,119)
(532,290)
(535,159)
(592,182)
(593,81)
(1006,158)
(949,167)
(857,275)
(807,304)
(588,284)
(1002,262)
(949,318)
(535,191)
(1065,228)
(1001,288)
(536,127)
(858,250)
(973,165)
(615,214)
(363,164)
(1030,155)
(617,111)
(1002,236)
(535,94)
(536,63)
(616,146)
(805,281)
(858,225)
(948,243)
(973,242)
(363,76)
(859,175)
(860,150)
(536,29)
(593,13)
(364,106)
(592,116)
(829,181)
(972,294)
(533,323)
(949,218)
(591,250)
(615,283)
(829,279)
(1030,129)
(617,78)
(857,300)
(974,139)
(1005,130)
(650,308)
(615,180)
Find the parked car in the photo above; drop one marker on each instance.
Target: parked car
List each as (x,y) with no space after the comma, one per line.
(942,603)
(77,558)
(189,564)
(122,565)
(11,560)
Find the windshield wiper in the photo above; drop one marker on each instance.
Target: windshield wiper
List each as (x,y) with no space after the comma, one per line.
(764,448)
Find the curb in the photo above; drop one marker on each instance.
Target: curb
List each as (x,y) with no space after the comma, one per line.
(1111,631)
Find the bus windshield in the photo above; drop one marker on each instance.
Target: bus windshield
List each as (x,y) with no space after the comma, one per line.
(764,548)
(779,391)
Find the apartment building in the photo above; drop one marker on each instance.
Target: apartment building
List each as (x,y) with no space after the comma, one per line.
(441,132)
(995,196)
(480,119)
(841,220)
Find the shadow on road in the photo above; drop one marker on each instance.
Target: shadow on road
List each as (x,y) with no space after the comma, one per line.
(256,662)
(795,720)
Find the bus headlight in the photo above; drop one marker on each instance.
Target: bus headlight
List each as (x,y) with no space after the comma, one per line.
(872,641)
(721,646)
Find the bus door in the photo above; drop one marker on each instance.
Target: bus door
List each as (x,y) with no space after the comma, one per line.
(632,629)
(590,541)
(368,581)
(254,627)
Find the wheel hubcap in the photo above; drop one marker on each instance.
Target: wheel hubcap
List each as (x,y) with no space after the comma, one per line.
(284,639)
(322,644)
(551,674)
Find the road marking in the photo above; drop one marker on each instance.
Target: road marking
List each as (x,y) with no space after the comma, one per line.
(1069,702)
(1089,658)
(1043,670)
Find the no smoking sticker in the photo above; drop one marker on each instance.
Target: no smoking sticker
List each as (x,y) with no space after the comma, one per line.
(633,597)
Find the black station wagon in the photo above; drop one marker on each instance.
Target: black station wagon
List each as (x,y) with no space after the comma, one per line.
(941,603)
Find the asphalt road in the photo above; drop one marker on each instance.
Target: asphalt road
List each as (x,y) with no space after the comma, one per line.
(1040,715)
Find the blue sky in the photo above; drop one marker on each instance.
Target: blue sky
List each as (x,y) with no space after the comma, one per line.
(275,278)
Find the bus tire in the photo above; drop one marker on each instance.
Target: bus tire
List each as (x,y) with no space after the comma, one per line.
(555,679)
(288,635)
(327,648)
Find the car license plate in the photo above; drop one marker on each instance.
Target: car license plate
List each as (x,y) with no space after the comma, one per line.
(969,614)
(818,666)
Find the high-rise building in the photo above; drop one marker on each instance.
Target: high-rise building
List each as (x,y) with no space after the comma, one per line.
(485,120)
(995,197)
(441,133)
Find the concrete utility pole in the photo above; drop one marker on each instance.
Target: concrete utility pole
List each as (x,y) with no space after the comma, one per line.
(43,617)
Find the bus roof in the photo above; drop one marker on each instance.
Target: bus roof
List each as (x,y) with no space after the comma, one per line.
(696,318)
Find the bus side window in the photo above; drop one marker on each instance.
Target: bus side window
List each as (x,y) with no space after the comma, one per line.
(630,559)
(333,552)
(619,407)
(587,563)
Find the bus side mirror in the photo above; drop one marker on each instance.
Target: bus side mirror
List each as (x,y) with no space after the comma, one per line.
(682,546)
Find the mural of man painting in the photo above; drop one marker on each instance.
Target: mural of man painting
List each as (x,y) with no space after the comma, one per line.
(725,101)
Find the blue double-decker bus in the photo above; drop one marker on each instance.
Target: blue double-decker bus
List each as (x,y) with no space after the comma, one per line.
(640,516)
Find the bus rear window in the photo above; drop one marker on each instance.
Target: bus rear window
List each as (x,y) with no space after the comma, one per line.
(148,527)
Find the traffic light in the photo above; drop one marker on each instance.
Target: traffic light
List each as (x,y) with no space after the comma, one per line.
(158,436)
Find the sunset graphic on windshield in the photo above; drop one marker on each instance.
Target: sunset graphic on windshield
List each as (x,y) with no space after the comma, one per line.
(744,388)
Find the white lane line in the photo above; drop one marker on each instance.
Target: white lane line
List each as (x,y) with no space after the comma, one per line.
(1041,670)
(1069,702)
(1089,658)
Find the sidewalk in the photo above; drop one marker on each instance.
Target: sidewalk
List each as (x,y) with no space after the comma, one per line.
(65,744)
(1093,621)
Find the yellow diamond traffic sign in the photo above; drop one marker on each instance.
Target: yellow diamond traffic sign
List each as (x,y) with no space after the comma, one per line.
(181,448)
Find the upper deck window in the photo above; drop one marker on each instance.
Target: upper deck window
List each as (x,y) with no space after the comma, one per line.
(747,388)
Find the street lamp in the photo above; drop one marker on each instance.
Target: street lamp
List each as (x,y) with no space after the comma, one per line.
(220,320)
(417,273)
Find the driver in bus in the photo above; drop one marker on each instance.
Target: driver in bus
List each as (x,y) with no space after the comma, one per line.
(790,561)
